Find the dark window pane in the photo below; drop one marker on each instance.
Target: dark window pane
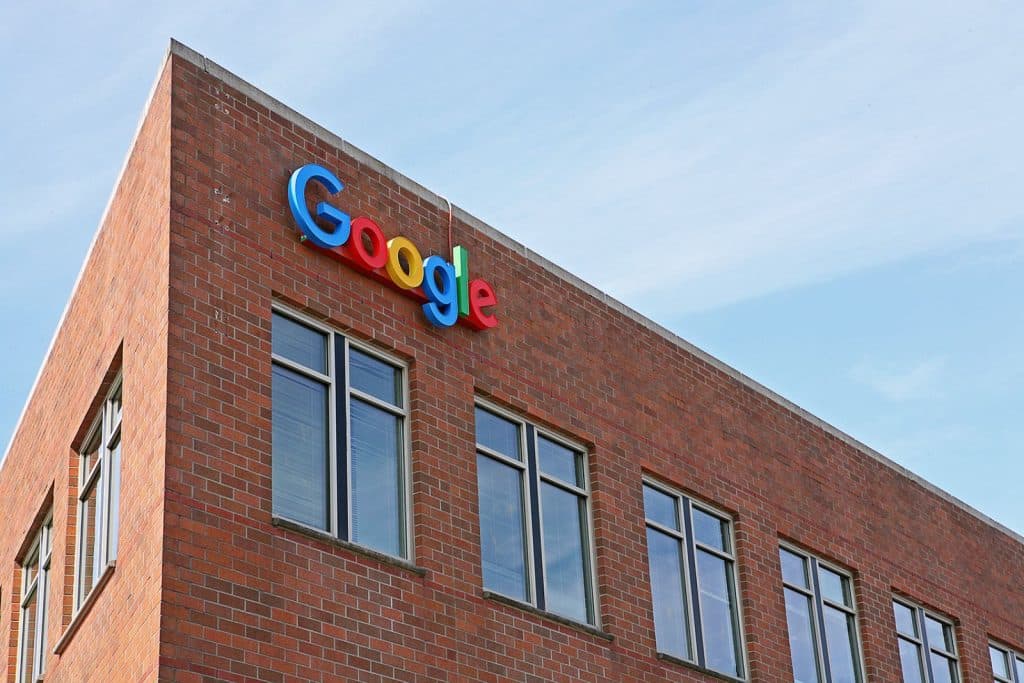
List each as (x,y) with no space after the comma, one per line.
(115,408)
(841,638)
(833,586)
(373,376)
(910,662)
(299,448)
(905,621)
(498,434)
(377,504)
(299,343)
(671,620)
(96,560)
(43,592)
(28,635)
(943,669)
(940,635)
(710,530)
(793,568)
(88,549)
(31,567)
(559,462)
(660,507)
(564,527)
(502,542)
(802,645)
(89,457)
(1000,666)
(114,502)
(718,614)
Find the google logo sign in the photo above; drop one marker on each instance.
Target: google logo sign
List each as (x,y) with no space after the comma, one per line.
(444,288)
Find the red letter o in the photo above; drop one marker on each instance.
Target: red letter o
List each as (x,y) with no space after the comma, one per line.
(377,255)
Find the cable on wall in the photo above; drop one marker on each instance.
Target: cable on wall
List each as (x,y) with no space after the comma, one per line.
(449,222)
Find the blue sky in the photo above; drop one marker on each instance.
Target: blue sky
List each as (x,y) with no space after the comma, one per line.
(825,195)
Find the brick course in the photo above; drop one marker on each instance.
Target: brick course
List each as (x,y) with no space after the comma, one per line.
(197,244)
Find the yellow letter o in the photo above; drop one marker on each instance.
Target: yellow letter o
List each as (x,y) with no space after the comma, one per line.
(412,278)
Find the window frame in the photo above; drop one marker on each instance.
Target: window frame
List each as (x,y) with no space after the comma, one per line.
(104,435)
(39,588)
(1011,656)
(685,505)
(531,479)
(339,393)
(811,566)
(924,648)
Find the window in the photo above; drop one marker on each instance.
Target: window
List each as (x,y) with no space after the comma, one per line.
(99,496)
(693,581)
(822,620)
(35,585)
(534,516)
(927,645)
(338,453)
(1007,665)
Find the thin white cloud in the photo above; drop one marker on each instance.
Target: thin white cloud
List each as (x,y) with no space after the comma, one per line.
(891,136)
(64,203)
(355,36)
(921,380)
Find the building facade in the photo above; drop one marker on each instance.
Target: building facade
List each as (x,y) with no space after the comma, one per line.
(303,420)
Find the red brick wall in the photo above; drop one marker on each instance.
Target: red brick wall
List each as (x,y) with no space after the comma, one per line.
(244,599)
(119,307)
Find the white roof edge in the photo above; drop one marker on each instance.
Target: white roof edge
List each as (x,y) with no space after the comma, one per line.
(88,255)
(407,183)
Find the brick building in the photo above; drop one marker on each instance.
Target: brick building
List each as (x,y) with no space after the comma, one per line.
(254,453)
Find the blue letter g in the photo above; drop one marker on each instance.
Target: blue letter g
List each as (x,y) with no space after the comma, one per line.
(297,202)
(442,307)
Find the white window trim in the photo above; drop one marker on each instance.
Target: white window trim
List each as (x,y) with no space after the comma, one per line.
(689,571)
(817,598)
(40,587)
(920,614)
(1011,657)
(107,431)
(590,558)
(524,489)
(330,379)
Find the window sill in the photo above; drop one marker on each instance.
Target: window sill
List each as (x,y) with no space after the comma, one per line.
(697,667)
(384,558)
(550,616)
(84,610)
